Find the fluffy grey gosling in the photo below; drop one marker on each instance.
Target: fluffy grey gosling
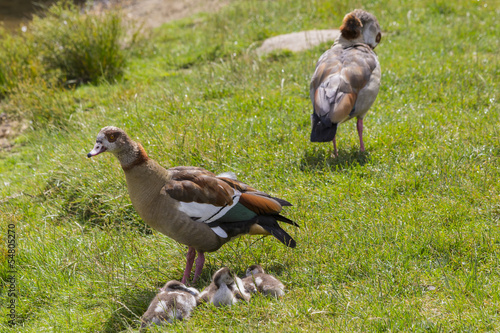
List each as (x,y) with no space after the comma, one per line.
(225,289)
(192,205)
(347,78)
(256,279)
(174,302)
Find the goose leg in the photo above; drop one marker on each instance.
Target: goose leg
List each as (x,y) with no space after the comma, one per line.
(335,153)
(359,126)
(200,261)
(189,264)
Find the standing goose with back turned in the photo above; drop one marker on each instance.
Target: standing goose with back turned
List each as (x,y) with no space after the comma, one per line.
(347,78)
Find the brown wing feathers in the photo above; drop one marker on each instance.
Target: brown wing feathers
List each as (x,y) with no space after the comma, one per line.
(244,188)
(199,187)
(197,184)
(236,184)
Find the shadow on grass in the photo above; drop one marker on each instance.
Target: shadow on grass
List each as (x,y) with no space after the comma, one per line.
(320,159)
(130,306)
(276,269)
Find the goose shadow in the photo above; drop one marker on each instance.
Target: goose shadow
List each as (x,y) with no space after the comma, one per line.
(320,159)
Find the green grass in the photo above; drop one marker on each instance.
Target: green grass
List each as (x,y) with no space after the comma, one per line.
(17,63)
(402,238)
(80,48)
(63,47)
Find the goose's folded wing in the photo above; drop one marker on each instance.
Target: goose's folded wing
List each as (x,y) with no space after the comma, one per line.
(228,206)
(201,196)
(190,184)
(244,188)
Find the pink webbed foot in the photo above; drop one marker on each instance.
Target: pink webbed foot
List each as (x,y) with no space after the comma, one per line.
(189,264)
(200,261)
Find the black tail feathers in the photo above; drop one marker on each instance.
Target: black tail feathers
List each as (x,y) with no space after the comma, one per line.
(281,235)
(267,222)
(286,220)
(271,225)
(322,130)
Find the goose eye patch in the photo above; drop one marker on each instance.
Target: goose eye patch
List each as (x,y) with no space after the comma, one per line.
(378,38)
(112,137)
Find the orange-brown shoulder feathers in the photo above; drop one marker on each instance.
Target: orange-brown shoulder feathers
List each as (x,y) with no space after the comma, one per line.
(259,204)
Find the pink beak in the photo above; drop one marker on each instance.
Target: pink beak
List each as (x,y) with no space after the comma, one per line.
(98,148)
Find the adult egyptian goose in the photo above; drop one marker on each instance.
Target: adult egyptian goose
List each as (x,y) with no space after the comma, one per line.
(347,78)
(192,205)
(225,289)
(175,301)
(257,279)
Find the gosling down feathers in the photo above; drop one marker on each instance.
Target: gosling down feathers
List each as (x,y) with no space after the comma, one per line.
(192,205)
(175,301)
(256,279)
(347,78)
(225,289)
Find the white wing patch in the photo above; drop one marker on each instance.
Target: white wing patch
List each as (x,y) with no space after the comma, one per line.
(220,232)
(206,213)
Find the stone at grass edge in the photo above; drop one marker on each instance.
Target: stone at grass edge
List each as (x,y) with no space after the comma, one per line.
(298,41)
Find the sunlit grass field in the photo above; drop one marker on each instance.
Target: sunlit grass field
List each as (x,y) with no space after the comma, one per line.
(404,237)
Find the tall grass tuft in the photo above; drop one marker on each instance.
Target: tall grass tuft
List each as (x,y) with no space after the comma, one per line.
(60,48)
(17,61)
(80,48)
